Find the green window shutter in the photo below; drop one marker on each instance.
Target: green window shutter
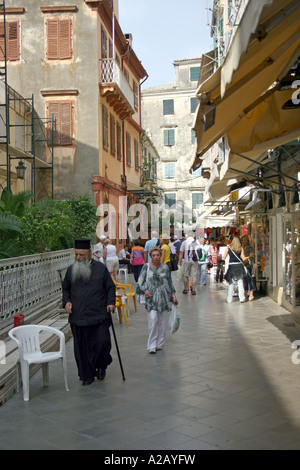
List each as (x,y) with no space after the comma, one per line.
(197,198)
(168,107)
(194,74)
(169,170)
(194,104)
(171,137)
(170,199)
(166,138)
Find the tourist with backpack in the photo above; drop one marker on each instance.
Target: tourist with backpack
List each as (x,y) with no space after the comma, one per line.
(188,260)
(202,262)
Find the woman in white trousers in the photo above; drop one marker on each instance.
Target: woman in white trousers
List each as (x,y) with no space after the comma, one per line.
(156,282)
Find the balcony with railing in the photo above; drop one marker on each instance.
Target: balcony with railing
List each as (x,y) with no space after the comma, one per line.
(115,87)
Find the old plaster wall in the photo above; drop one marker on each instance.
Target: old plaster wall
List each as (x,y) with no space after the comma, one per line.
(74,165)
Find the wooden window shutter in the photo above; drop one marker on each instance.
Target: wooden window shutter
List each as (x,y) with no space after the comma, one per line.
(59,38)
(53,111)
(128,149)
(119,141)
(66,123)
(136,154)
(112,135)
(13,40)
(52,38)
(65,50)
(103,44)
(104,127)
(62,113)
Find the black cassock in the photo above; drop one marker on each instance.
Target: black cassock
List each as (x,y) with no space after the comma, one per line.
(89,319)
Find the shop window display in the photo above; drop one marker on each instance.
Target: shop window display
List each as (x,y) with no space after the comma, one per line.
(291,259)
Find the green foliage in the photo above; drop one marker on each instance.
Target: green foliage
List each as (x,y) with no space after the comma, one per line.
(47,226)
(15,203)
(84,219)
(12,207)
(11,236)
(53,225)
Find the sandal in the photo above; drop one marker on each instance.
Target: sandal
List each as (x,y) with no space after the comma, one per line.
(193,292)
(185,291)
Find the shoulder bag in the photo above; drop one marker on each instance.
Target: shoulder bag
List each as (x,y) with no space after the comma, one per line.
(141,298)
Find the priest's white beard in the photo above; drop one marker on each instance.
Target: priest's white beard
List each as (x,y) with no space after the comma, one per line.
(81,270)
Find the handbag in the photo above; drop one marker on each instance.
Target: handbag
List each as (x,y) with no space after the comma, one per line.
(141,298)
(180,273)
(174,320)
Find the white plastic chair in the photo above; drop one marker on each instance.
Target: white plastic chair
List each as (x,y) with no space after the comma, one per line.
(27,338)
(124,271)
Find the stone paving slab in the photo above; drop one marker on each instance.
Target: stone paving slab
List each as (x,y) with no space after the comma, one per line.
(225,380)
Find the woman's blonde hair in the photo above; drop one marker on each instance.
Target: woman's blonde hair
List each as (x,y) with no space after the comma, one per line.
(155,248)
(235,245)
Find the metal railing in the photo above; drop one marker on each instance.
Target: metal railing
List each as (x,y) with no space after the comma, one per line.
(110,72)
(28,283)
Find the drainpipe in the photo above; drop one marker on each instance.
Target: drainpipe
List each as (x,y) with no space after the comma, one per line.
(123,151)
(140,100)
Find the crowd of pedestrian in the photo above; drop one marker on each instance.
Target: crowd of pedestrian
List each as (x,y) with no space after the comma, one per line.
(229,260)
(89,286)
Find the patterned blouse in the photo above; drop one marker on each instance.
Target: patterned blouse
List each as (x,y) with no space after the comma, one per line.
(160,286)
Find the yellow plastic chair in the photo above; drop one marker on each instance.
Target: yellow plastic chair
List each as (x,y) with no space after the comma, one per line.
(129,293)
(120,305)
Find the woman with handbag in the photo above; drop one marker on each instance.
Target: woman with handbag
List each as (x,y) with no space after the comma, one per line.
(236,268)
(156,282)
(249,254)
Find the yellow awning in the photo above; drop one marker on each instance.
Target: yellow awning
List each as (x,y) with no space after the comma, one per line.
(249,108)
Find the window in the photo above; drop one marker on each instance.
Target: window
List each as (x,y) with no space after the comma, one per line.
(197,172)
(136,155)
(168,107)
(169,170)
(59,38)
(128,149)
(194,104)
(12,40)
(112,135)
(193,136)
(119,141)
(104,127)
(61,111)
(194,74)
(136,95)
(169,137)
(103,43)
(197,198)
(170,199)
(126,74)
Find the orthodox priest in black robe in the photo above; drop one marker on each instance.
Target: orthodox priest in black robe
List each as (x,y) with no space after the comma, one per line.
(88,297)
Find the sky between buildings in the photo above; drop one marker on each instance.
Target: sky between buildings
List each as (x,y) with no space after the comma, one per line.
(164,31)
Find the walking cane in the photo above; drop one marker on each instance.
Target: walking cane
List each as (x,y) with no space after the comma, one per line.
(117,347)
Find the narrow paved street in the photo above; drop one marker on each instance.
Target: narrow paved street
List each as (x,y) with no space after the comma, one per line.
(225,380)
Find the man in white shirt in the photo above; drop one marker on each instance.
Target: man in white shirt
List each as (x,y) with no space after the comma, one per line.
(150,244)
(190,267)
(98,249)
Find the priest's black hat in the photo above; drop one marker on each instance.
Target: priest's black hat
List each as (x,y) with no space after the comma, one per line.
(82,244)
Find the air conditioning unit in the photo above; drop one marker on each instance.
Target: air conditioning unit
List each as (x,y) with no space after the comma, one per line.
(128,37)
